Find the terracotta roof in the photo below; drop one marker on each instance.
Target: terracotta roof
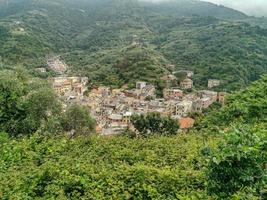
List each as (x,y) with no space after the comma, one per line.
(186,123)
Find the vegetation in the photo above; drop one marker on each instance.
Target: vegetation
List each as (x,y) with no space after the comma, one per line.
(245,107)
(227,163)
(77,118)
(114,42)
(153,123)
(239,163)
(28,105)
(25,104)
(117,42)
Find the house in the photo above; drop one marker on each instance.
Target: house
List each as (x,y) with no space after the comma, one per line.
(186,83)
(178,108)
(140,85)
(57,65)
(213,83)
(172,93)
(209,94)
(171,67)
(189,74)
(127,117)
(148,91)
(115,118)
(183,108)
(114,129)
(41,69)
(221,97)
(104,91)
(197,105)
(169,80)
(186,123)
(206,102)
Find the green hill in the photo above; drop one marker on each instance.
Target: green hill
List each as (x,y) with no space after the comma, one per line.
(245,107)
(105,39)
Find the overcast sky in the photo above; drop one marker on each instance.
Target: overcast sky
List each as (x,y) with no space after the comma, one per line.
(251,7)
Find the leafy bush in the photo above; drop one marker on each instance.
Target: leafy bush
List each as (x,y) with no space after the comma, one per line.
(77,118)
(238,162)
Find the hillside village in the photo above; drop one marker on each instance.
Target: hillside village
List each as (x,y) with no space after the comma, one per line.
(113,108)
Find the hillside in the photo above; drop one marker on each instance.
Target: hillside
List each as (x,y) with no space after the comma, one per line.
(114,42)
(245,107)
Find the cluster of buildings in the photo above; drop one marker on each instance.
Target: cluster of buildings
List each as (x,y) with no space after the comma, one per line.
(57,65)
(113,109)
(70,88)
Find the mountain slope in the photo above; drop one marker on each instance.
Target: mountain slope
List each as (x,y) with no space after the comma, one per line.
(96,37)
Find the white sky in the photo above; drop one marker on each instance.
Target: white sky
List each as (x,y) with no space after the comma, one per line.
(250,7)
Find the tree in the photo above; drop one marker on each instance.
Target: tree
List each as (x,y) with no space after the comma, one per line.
(40,106)
(77,118)
(11,91)
(25,104)
(238,162)
(153,123)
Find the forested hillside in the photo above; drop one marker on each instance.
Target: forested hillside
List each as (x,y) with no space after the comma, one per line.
(114,42)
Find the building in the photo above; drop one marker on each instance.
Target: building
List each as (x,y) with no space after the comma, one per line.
(170,67)
(172,93)
(197,106)
(41,69)
(140,85)
(189,74)
(57,65)
(209,94)
(184,108)
(115,118)
(147,91)
(169,80)
(114,129)
(186,123)
(127,117)
(186,83)
(221,97)
(213,83)
(178,108)
(206,102)
(64,85)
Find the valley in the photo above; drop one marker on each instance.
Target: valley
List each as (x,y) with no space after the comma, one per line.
(132,99)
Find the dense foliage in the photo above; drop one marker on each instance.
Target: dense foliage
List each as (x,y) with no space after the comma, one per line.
(25,104)
(101,168)
(29,104)
(154,123)
(77,118)
(239,164)
(114,42)
(248,106)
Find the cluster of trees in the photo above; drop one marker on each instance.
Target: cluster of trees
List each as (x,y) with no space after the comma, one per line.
(179,167)
(154,123)
(28,104)
(247,106)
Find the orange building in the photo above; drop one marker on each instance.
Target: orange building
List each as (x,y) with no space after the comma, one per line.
(186,123)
